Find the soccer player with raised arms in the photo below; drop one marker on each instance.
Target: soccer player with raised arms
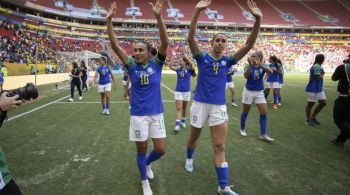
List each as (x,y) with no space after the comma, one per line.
(183,89)
(209,99)
(146,111)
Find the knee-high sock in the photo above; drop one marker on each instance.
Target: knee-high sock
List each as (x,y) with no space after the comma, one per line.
(190,153)
(141,163)
(263,120)
(222,173)
(153,156)
(279,99)
(244,116)
(275,97)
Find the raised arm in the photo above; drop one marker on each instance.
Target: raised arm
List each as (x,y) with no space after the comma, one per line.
(254,34)
(112,37)
(203,4)
(157,11)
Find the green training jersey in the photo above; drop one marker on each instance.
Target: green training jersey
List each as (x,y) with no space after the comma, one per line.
(4,171)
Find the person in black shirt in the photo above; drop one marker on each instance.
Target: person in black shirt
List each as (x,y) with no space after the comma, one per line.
(341,110)
(75,74)
(83,70)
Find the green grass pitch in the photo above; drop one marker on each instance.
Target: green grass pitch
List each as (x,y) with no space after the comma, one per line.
(70,148)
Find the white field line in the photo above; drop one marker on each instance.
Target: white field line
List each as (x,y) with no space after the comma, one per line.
(112,102)
(166,87)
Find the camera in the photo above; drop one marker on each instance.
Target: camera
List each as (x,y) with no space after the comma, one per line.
(27,92)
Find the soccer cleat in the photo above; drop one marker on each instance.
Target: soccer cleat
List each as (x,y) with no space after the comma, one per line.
(234,104)
(266,138)
(81,97)
(275,107)
(149,172)
(107,112)
(242,132)
(104,111)
(70,100)
(183,125)
(279,104)
(315,121)
(177,128)
(226,191)
(146,188)
(310,123)
(189,165)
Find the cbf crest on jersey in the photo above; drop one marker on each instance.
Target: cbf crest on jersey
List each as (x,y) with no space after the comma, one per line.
(103,72)
(150,70)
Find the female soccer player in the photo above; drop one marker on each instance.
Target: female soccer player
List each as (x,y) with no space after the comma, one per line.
(230,85)
(281,80)
(314,90)
(105,74)
(253,92)
(272,81)
(209,99)
(126,84)
(183,89)
(146,112)
(75,74)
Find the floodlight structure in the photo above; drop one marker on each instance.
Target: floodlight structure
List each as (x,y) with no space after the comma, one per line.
(133,11)
(174,13)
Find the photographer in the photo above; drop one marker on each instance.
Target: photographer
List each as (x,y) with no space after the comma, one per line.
(7,184)
(341,114)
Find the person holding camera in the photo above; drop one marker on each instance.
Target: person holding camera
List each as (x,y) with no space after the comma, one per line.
(341,114)
(7,184)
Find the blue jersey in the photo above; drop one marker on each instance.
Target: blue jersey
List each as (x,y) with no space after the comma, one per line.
(274,76)
(184,79)
(105,77)
(314,85)
(229,78)
(125,77)
(146,98)
(211,81)
(255,81)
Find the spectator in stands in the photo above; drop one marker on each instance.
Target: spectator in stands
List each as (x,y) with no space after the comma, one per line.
(209,99)
(84,76)
(75,82)
(314,90)
(146,111)
(184,70)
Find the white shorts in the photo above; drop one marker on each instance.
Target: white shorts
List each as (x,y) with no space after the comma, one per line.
(104,88)
(143,127)
(201,112)
(183,96)
(253,97)
(125,82)
(272,85)
(314,97)
(280,85)
(230,85)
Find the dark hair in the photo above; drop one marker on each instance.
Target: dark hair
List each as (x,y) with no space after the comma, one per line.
(83,64)
(148,46)
(274,58)
(186,61)
(154,51)
(216,36)
(75,65)
(319,59)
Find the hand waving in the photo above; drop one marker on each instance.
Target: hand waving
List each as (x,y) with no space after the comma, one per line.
(203,4)
(157,8)
(111,11)
(253,8)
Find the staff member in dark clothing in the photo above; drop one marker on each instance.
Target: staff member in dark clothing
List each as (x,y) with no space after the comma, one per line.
(83,70)
(341,114)
(75,74)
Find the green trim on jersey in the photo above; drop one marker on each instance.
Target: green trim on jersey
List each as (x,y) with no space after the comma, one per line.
(317,69)
(5,176)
